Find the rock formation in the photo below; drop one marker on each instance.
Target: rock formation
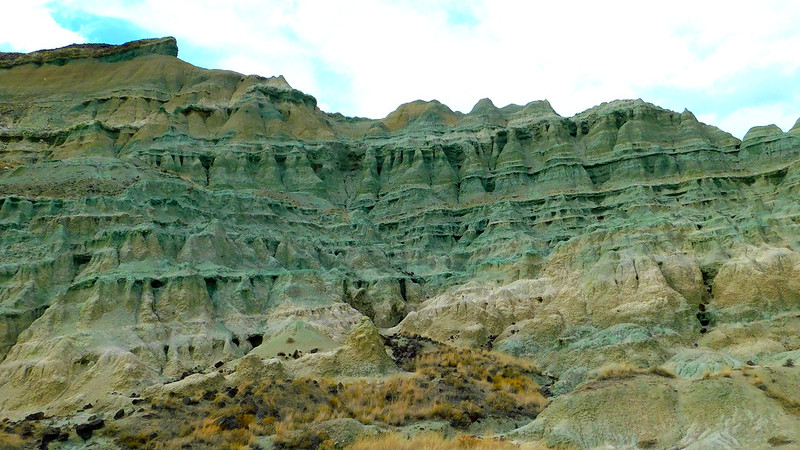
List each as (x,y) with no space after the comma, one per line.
(156,218)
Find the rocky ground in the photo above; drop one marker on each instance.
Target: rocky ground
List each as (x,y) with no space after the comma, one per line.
(170,234)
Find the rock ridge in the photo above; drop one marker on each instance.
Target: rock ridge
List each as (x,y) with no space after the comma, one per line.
(157,219)
(102,52)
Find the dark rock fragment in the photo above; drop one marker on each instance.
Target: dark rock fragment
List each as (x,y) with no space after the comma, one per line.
(228,423)
(49,435)
(35,416)
(85,430)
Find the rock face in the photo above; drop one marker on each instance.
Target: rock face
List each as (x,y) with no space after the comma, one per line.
(101,52)
(156,218)
(653,412)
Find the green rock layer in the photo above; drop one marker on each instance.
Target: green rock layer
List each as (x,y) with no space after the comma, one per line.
(156,217)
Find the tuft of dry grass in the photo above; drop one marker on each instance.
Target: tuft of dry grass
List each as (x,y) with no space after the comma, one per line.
(21,435)
(779,440)
(12,441)
(617,371)
(662,372)
(429,441)
(625,370)
(758,381)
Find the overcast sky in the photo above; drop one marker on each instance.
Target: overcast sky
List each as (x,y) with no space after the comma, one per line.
(735,64)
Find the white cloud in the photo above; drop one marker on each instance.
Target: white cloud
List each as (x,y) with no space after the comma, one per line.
(576,54)
(741,120)
(29,26)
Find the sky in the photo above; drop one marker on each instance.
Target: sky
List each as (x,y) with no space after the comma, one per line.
(735,64)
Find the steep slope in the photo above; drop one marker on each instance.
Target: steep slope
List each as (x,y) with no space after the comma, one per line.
(157,218)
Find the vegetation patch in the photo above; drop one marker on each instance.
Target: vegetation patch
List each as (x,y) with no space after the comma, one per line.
(458,386)
(397,441)
(620,371)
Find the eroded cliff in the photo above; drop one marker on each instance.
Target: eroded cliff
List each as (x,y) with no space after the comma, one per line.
(157,218)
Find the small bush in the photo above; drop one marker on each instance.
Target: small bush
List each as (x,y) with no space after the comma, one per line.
(617,371)
(501,401)
(662,372)
(11,441)
(134,440)
(779,440)
(758,382)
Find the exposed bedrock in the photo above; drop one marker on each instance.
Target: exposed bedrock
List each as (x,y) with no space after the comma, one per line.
(157,218)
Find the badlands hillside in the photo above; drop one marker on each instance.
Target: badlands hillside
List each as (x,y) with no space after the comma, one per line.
(194,257)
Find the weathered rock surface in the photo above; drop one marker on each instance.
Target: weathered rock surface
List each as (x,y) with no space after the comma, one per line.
(101,52)
(156,218)
(363,354)
(649,411)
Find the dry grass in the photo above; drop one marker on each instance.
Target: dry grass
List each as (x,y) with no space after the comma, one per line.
(772,390)
(429,441)
(757,380)
(725,372)
(617,371)
(12,441)
(459,386)
(622,371)
(662,372)
(779,440)
(23,434)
